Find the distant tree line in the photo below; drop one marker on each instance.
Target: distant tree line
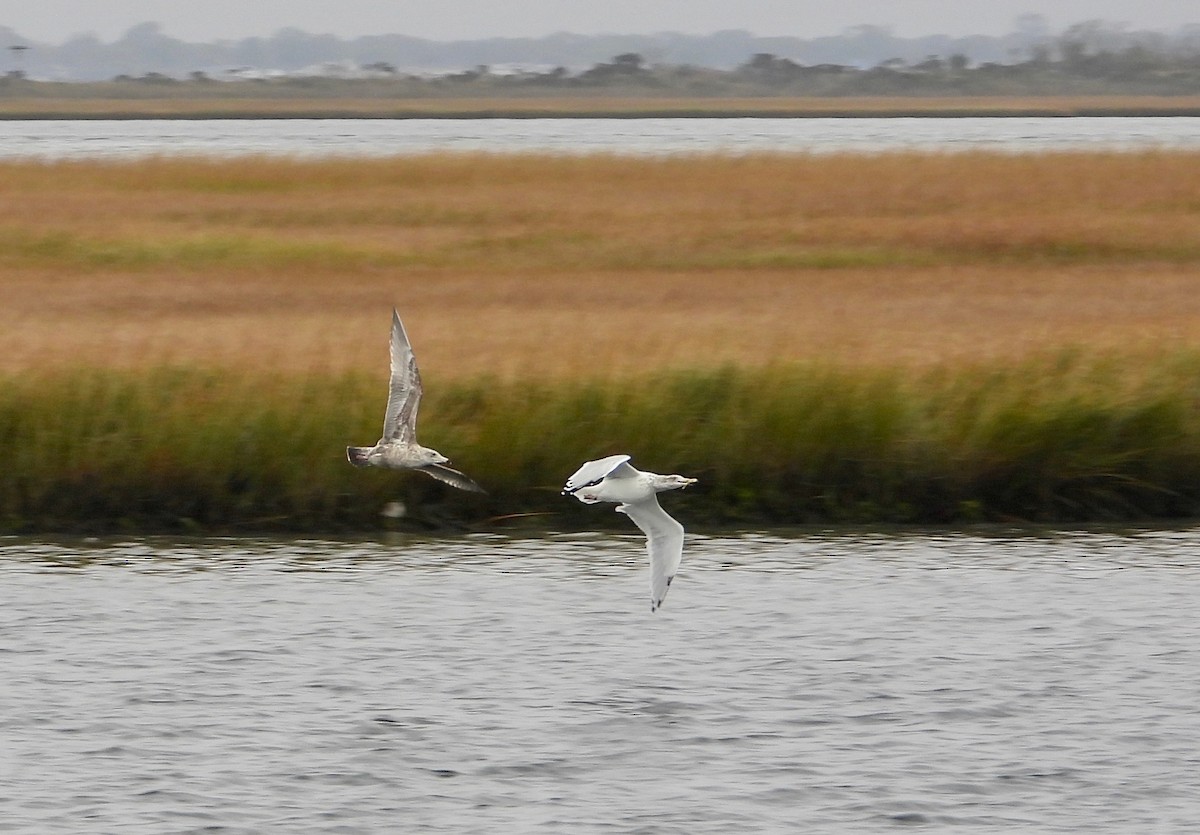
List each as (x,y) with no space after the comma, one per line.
(1092,57)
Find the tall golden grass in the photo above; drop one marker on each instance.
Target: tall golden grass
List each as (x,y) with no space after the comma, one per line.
(560,265)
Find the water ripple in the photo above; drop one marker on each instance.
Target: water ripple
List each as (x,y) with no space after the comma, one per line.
(987,681)
(73,139)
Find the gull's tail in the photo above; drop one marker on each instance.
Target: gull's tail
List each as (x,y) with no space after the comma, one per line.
(357,455)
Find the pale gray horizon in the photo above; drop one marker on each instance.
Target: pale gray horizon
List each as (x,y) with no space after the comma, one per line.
(56,21)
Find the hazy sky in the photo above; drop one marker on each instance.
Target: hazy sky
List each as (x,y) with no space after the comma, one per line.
(53,21)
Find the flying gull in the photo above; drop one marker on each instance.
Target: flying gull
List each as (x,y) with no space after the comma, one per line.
(613,479)
(398,448)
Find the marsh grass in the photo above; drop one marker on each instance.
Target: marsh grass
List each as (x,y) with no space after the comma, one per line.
(280,264)
(1064,438)
(539,212)
(191,343)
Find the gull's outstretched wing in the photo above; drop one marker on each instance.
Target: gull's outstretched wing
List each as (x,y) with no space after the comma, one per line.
(451,476)
(404,389)
(664,541)
(593,472)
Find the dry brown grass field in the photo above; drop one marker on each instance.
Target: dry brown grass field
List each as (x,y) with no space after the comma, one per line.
(522,265)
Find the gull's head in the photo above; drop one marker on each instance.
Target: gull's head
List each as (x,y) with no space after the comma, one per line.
(672,482)
(427,456)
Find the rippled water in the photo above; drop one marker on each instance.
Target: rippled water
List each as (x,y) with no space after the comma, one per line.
(59,139)
(826,683)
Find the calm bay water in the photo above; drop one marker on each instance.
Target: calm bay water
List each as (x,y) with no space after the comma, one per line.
(380,137)
(824,682)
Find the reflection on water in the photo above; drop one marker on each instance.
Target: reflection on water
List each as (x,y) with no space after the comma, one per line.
(60,139)
(835,682)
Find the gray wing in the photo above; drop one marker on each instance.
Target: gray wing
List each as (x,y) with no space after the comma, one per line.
(404,389)
(614,466)
(664,541)
(451,476)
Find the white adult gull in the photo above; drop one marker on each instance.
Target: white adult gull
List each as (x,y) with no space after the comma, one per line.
(398,448)
(614,479)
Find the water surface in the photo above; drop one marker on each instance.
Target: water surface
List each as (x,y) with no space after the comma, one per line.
(840,682)
(65,139)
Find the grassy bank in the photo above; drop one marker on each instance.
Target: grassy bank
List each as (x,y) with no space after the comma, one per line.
(898,337)
(138,101)
(1052,439)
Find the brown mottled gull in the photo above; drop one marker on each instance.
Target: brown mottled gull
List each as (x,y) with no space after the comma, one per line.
(398,448)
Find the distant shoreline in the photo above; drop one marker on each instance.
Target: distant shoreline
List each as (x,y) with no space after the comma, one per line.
(129,116)
(61,108)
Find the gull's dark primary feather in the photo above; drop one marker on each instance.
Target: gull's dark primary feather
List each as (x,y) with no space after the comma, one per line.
(451,476)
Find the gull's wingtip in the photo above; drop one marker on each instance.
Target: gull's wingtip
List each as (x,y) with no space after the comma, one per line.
(656,604)
(451,476)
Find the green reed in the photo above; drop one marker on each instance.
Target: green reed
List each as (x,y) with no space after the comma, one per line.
(1065,438)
